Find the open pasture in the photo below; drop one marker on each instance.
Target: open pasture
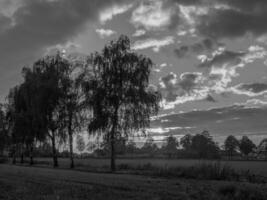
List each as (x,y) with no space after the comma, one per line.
(256,167)
(35,183)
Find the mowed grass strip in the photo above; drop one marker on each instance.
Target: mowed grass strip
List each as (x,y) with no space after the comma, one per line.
(31,183)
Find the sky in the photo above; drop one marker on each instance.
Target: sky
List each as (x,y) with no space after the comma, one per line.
(209,56)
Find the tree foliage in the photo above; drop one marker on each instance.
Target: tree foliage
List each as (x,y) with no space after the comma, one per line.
(204,145)
(186,141)
(118,92)
(171,145)
(246,146)
(231,144)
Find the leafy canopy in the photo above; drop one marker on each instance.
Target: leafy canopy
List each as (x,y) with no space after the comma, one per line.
(118,91)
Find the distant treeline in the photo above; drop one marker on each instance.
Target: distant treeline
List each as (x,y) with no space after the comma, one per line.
(198,146)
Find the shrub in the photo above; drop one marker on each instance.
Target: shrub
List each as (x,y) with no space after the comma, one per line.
(3,160)
(232,192)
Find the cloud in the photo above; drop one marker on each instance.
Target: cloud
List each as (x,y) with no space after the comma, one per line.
(240,18)
(151,15)
(235,120)
(196,48)
(220,19)
(255,103)
(103,33)
(28,28)
(188,87)
(155,44)
(221,58)
(139,32)
(110,12)
(222,66)
(251,89)
(36,30)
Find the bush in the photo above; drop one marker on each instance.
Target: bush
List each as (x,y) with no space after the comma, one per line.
(203,171)
(232,192)
(3,160)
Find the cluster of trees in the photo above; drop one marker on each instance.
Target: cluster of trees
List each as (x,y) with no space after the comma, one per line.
(108,93)
(194,146)
(232,145)
(199,145)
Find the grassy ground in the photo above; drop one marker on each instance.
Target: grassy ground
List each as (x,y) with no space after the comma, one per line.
(34,183)
(256,167)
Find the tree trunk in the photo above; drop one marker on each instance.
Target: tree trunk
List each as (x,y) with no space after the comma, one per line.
(55,162)
(31,154)
(21,155)
(112,153)
(21,158)
(14,155)
(70,140)
(71,149)
(112,141)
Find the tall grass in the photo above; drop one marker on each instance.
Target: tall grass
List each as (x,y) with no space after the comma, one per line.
(203,171)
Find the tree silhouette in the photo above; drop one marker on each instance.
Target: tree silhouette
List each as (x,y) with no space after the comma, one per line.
(49,75)
(3,129)
(246,146)
(118,92)
(131,147)
(170,148)
(230,145)
(204,145)
(70,105)
(150,147)
(186,141)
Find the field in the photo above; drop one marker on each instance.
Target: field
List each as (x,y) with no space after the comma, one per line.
(256,167)
(36,183)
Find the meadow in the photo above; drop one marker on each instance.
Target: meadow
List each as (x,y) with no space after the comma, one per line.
(255,167)
(39,183)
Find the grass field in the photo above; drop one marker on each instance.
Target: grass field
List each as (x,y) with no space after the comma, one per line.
(256,167)
(35,183)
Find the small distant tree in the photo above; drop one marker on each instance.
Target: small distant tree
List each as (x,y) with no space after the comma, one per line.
(262,148)
(3,130)
(118,93)
(171,145)
(120,144)
(149,147)
(186,141)
(131,147)
(80,143)
(231,144)
(204,145)
(246,146)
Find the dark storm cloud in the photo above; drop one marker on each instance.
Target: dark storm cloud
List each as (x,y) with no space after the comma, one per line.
(196,48)
(42,23)
(230,18)
(252,87)
(232,23)
(38,24)
(241,17)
